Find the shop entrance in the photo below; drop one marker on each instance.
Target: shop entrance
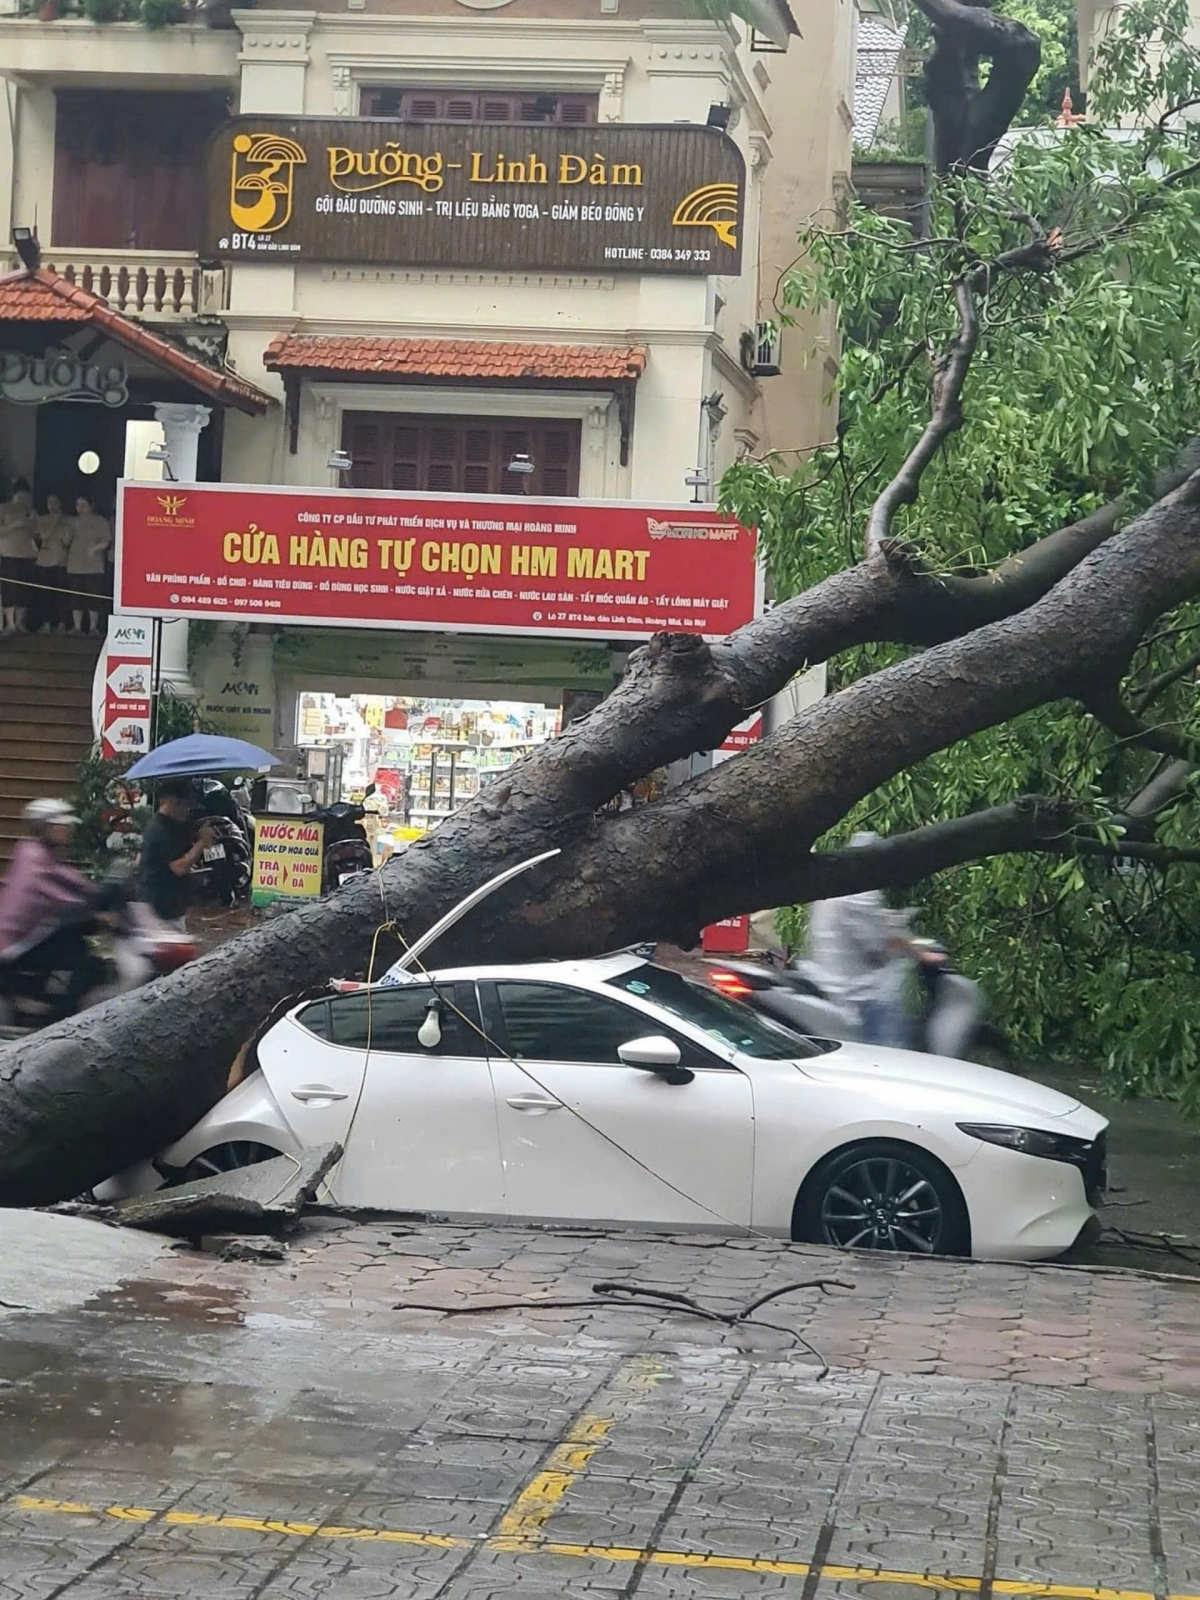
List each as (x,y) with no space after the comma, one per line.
(414,759)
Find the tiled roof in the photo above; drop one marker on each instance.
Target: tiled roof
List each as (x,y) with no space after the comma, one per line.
(877,58)
(44,296)
(25,299)
(453,358)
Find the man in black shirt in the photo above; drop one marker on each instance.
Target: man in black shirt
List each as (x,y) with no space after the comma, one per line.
(169,852)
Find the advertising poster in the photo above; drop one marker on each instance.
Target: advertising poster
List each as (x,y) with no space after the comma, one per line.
(607,569)
(287,860)
(127,668)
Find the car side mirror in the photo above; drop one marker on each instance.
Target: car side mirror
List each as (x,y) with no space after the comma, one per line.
(656,1053)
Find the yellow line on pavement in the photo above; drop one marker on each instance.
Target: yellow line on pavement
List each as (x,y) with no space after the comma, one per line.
(535,1546)
(526,1517)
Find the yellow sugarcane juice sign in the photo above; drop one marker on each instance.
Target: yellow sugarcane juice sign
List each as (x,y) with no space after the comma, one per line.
(287,860)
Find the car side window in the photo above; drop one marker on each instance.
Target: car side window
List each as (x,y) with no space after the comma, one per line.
(389,1019)
(550,1022)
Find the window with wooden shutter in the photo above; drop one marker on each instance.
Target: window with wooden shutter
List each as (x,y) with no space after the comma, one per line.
(470,105)
(461,455)
(129,167)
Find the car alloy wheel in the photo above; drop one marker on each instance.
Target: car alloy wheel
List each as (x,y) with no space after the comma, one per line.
(227,1158)
(885,1196)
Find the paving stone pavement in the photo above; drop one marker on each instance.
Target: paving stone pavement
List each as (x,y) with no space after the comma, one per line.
(284,1431)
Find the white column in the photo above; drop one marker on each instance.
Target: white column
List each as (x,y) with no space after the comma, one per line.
(182,426)
(173,658)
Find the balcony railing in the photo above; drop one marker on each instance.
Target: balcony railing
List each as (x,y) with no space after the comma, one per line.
(157,286)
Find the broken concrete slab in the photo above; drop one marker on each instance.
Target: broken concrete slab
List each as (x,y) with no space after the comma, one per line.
(244,1247)
(250,1200)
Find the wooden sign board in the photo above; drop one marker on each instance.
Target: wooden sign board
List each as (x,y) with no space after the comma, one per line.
(617,197)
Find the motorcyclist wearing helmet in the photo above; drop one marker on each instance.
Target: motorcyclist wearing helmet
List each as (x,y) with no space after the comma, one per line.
(41,902)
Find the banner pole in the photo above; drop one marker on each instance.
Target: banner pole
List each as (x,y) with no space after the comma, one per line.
(155,677)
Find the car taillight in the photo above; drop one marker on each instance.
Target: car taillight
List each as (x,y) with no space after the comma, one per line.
(730,985)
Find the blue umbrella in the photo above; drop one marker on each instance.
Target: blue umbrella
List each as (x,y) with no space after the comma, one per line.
(199,753)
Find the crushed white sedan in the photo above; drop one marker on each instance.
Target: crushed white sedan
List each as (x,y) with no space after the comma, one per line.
(615,1091)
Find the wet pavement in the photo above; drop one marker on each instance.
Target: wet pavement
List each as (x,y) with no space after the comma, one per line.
(195,1427)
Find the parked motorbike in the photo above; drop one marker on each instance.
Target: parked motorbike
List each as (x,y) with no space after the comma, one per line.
(948,1019)
(347,849)
(225,867)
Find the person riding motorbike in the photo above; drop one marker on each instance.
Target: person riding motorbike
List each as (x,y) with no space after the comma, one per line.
(861,950)
(44,904)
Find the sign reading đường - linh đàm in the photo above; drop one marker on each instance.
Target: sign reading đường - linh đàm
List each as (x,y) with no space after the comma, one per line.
(612,197)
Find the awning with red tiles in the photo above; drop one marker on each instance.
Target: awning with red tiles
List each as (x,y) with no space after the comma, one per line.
(470,363)
(44,298)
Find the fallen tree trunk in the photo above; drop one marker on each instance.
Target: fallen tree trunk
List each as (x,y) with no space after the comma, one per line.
(93,1094)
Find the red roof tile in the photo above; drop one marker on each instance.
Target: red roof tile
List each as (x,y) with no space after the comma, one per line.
(44,296)
(453,358)
(25,299)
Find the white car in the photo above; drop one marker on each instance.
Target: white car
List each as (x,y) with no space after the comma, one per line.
(615,1091)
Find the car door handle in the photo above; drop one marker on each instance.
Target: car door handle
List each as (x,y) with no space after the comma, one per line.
(534,1102)
(317,1091)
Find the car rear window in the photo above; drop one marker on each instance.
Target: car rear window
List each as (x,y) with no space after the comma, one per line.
(388,1019)
(727,1021)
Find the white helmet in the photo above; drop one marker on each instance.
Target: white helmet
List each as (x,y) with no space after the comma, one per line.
(47,811)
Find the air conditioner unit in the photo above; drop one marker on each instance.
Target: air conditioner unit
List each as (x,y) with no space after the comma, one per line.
(766,351)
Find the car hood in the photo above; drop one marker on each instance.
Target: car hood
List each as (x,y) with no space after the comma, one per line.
(979,1091)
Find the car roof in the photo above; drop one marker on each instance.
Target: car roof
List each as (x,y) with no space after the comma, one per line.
(590,970)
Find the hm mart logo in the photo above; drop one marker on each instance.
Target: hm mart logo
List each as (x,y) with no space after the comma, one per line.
(172,505)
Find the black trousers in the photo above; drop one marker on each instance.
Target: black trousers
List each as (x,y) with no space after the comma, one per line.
(65,950)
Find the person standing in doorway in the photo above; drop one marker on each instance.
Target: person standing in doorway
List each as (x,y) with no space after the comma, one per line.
(18,548)
(53,536)
(87,555)
(171,847)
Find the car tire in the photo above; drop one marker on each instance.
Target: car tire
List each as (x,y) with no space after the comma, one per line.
(230,1157)
(883,1195)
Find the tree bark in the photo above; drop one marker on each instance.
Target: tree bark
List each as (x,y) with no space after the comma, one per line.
(969,121)
(83,1099)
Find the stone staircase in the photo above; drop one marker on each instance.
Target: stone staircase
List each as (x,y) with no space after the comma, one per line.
(45,722)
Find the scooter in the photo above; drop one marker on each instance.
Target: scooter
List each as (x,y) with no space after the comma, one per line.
(949,1019)
(142,949)
(347,849)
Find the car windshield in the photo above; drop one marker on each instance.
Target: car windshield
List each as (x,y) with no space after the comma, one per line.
(728,1021)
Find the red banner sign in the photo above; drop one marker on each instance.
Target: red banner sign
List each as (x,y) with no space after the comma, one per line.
(375,559)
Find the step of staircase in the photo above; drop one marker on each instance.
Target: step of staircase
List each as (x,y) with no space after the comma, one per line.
(45,722)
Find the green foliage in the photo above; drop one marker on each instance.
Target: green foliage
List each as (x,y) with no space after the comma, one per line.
(1085,384)
(161,13)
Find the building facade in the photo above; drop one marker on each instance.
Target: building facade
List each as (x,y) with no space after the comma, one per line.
(597,376)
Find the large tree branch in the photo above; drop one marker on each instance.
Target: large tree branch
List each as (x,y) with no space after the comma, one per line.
(730,839)
(968,121)
(95,1093)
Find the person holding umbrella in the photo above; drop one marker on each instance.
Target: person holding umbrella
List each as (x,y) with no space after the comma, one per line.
(170,849)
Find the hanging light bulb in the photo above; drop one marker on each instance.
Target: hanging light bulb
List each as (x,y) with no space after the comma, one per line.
(430,1032)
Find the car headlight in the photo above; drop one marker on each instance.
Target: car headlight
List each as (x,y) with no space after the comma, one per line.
(1031,1141)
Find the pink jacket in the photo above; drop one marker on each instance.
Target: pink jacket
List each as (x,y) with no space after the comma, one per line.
(39,887)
